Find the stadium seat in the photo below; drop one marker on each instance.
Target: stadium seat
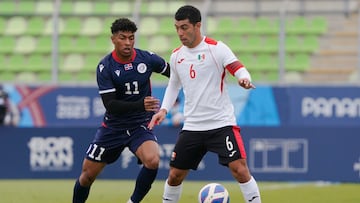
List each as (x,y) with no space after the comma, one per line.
(292,44)
(103,45)
(26,7)
(25,44)
(107,22)
(297,26)
(225,25)
(86,77)
(43,44)
(36,26)
(66,8)
(298,62)
(158,44)
(173,6)
(210,26)
(73,26)
(44,7)
(142,42)
(39,63)
(7,7)
(7,44)
(16,63)
(267,62)
(101,7)
(82,7)
(310,43)
(248,60)
(66,77)
(266,26)
(2,25)
(90,62)
(254,44)
(244,26)
(237,43)
(318,25)
(148,26)
(121,8)
(16,26)
(44,76)
(49,26)
(271,44)
(174,42)
(92,26)
(66,44)
(157,8)
(166,26)
(26,77)
(7,76)
(82,44)
(73,63)
(272,76)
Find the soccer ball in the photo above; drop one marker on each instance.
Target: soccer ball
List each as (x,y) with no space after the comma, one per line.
(213,193)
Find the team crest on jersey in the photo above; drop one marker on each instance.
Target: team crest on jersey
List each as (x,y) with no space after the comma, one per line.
(117,72)
(201,57)
(141,68)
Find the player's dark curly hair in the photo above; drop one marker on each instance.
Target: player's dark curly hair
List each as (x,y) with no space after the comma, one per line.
(123,24)
(188,12)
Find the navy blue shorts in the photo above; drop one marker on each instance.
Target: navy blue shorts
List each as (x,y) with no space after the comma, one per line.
(108,145)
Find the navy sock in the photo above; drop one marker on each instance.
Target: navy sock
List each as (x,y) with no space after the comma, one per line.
(143,183)
(80,193)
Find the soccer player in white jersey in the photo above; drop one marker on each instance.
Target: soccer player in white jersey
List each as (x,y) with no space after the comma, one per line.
(199,68)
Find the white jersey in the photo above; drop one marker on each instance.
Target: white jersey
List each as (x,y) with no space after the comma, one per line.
(200,72)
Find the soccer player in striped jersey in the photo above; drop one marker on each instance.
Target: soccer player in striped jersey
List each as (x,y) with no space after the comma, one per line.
(123,78)
(199,68)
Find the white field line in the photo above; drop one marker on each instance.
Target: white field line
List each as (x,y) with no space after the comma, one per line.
(277,186)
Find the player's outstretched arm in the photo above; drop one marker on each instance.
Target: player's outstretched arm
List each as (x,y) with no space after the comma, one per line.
(157,118)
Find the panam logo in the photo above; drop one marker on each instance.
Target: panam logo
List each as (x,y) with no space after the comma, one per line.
(330,107)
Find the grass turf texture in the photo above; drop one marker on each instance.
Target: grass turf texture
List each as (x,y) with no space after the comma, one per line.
(110,191)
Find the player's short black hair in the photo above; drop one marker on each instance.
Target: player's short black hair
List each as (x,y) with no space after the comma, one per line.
(188,12)
(123,24)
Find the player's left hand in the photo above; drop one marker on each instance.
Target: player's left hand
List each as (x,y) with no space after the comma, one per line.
(245,83)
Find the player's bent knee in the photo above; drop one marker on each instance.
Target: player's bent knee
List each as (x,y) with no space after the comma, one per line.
(152,163)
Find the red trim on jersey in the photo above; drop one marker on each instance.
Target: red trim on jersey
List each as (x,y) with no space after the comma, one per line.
(239,141)
(222,81)
(209,40)
(117,59)
(176,49)
(233,67)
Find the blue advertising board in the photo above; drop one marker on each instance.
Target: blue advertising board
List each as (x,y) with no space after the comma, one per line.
(55,106)
(274,154)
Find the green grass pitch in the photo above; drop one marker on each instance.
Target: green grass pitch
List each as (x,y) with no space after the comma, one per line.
(111,191)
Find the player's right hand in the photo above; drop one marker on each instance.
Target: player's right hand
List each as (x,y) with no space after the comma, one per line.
(157,118)
(151,104)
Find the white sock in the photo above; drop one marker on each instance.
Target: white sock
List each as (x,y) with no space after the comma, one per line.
(129,201)
(250,191)
(171,193)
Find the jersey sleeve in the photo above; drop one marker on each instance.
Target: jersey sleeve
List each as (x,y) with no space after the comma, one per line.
(103,77)
(158,63)
(226,56)
(173,87)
